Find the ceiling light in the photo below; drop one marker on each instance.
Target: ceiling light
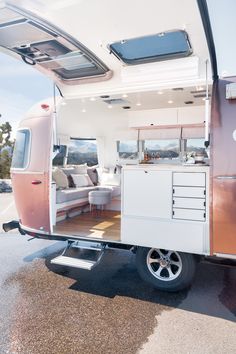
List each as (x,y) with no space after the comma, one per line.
(160,92)
(63,103)
(170,101)
(92,99)
(138,104)
(125,95)
(83,110)
(109,106)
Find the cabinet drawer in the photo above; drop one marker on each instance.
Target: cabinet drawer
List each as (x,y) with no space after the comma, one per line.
(189,214)
(189,192)
(189,203)
(189,179)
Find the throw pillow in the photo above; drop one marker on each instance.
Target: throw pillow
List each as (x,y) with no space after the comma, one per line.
(81,180)
(92,172)
(70,181)
(69,170)
(60,178)
(81,169)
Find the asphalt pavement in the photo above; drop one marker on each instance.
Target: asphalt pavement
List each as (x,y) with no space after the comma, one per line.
(50,309)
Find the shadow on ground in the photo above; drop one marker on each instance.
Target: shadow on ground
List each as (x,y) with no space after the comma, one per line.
(107,310)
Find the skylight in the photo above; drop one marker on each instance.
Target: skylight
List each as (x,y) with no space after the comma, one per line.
(42,44)
(161,46)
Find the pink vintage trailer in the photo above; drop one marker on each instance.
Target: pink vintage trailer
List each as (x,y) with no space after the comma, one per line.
(150,89)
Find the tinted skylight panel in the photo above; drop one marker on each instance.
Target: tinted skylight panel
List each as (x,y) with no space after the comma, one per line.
(161,46)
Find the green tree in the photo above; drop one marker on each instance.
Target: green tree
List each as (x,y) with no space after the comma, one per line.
(6,147)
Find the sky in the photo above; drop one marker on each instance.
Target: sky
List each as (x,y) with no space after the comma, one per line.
(21,86)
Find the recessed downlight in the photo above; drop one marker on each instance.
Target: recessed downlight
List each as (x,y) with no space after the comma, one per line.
(109,106)
(125,95)
(170,101)
(83,110)
(138,104)
(160,92)
(92,99)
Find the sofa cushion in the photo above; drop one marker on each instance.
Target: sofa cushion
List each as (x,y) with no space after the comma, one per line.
(69,170)
(60,178)
(81,169)
(71,182)
(67,195)
(93,174)
(81,180)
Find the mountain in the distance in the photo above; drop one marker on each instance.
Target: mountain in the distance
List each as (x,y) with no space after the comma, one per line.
(83,146)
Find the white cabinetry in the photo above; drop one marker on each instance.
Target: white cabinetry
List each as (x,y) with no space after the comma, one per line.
(156,212)
(153,118)
(147,193)
(166,117)
(191,115)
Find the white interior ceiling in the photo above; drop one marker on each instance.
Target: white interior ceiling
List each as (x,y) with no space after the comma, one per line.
(170,98)
(96,24)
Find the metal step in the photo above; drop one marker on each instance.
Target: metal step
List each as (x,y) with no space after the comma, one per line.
(70,256)
(74,262)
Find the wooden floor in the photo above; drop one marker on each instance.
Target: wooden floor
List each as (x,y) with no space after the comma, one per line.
(105,225)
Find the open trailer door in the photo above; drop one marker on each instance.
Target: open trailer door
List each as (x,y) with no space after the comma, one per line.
(224,169)
(30,172)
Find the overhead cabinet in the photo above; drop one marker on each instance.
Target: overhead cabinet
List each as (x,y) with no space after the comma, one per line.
(191,115)
(154,118)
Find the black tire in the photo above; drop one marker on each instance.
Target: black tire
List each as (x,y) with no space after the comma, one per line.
(182,277)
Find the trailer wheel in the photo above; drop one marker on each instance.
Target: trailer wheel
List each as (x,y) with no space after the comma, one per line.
(164,269)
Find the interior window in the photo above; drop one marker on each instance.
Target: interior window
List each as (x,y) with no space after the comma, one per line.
(127,149)
(60,157)
(162,149)
(196,145)
(21,149)
(161,46)
(82,151)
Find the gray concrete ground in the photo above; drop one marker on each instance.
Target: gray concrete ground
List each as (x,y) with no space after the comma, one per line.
(48,309)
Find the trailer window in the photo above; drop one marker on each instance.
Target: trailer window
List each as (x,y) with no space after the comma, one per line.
(127,149)
(82,151)
(21,149)
(160,46)
(196,145)
(162,149)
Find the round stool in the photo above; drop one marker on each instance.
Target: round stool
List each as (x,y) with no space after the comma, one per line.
(99,198)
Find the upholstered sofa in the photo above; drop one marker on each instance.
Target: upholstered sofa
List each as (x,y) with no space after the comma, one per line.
(73,184)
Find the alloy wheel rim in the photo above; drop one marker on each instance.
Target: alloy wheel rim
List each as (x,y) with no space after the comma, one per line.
(164,265)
